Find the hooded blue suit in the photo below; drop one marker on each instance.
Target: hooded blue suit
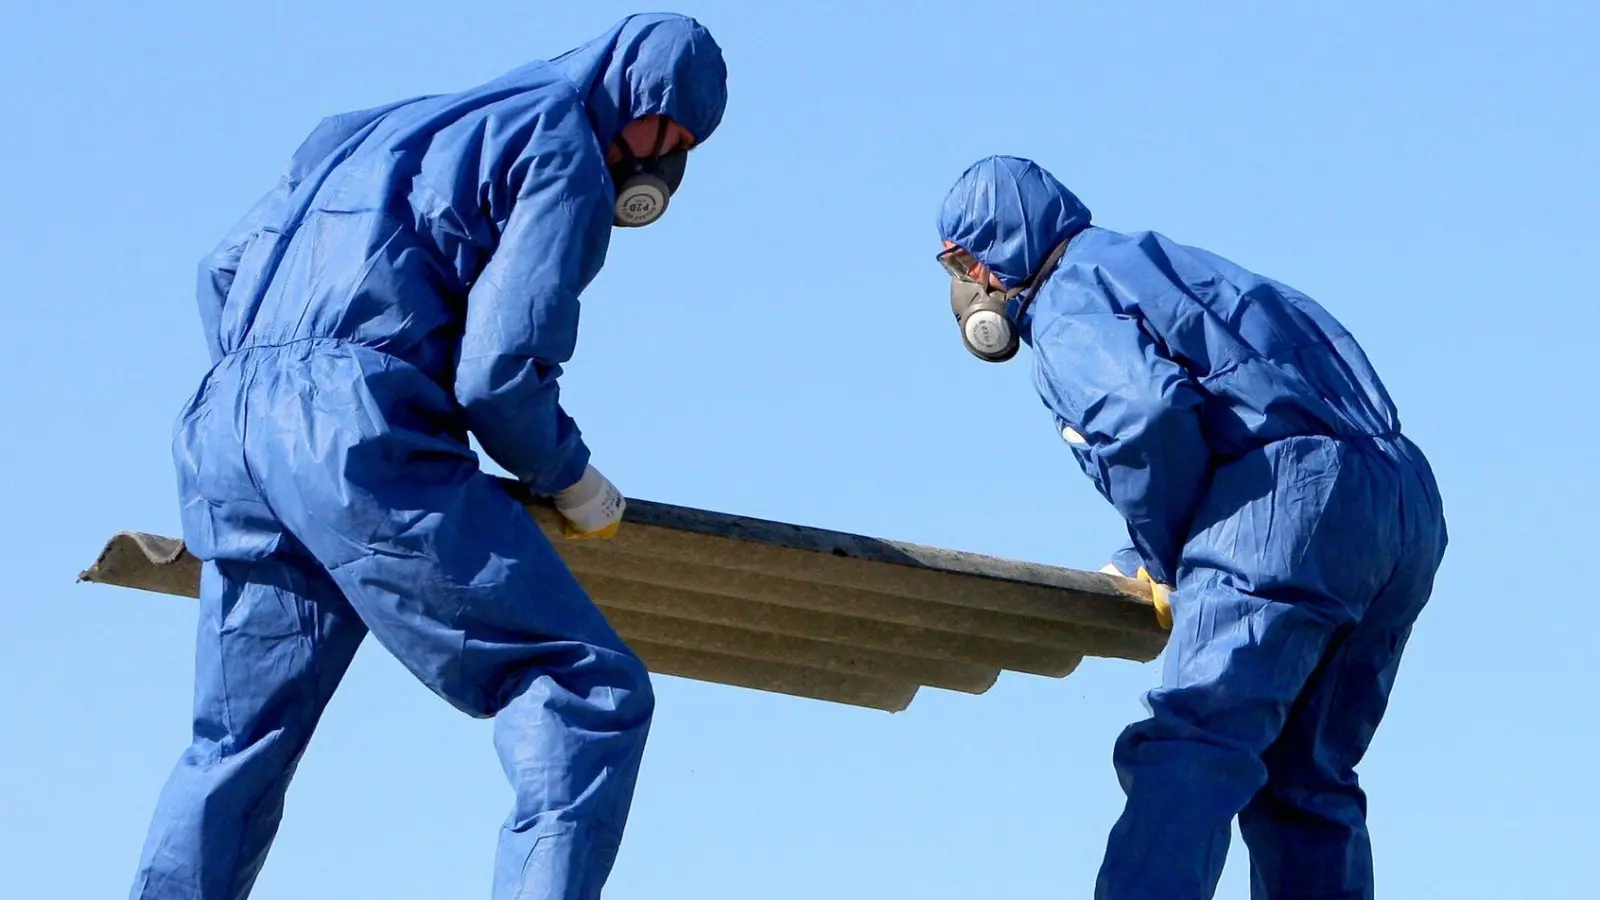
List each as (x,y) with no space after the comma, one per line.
(1258,462)
(413,278)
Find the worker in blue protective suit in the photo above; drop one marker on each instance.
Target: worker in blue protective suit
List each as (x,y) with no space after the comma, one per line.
(1259,464)
(413,279)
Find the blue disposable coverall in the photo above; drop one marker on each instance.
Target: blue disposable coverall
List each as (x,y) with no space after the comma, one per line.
(1259,465)
(414,277)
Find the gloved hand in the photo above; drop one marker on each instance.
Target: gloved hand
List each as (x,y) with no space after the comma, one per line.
(592,508)
(1161,595)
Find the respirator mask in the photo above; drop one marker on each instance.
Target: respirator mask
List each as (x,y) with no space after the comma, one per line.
(987,330)
(645,185)
(985,315)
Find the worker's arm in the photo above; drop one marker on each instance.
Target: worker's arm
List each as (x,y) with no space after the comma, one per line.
(1138,411)
(522,313)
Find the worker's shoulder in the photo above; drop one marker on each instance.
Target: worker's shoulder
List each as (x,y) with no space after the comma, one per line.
(536,105)
(533,100)
(1124,257)
(1081,282)
(1195,268)
(1100,245)
(536,86)
(333,133)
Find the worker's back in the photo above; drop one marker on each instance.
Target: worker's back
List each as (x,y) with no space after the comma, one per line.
(387,216)
(1270,361)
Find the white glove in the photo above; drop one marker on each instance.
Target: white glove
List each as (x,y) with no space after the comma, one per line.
(592,508)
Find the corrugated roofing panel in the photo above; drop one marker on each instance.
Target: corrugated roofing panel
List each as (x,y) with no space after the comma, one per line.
(797,610)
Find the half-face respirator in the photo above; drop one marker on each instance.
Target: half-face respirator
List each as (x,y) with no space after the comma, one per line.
(645,185)
(986,327)
(984,314)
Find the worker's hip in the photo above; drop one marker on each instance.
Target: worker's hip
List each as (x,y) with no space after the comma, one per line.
(309,423)
(324,369)
(1316,520)
(1410,493)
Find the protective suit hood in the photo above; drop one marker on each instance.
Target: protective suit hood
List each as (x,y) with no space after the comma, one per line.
(1010,213)
(650,64)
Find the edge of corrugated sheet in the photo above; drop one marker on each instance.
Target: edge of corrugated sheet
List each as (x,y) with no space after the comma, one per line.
(797,610)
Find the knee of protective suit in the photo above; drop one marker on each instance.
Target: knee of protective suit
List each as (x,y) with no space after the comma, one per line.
(641,699)
(613,685)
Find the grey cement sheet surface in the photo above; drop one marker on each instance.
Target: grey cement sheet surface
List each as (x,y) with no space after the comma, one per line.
(796,610)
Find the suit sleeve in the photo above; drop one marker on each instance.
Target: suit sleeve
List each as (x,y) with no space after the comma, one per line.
(522,321)
(1100,371)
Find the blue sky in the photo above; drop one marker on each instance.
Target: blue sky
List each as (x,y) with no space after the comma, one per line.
(780,346)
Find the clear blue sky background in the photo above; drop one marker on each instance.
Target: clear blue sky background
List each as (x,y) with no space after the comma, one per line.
(780,346)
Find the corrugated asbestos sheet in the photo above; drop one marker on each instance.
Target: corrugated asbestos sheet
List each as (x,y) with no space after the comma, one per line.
(798,610)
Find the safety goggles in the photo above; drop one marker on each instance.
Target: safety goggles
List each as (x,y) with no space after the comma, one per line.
(959,263)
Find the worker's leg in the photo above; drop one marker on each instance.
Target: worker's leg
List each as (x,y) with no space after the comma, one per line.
(1307,829)
(275,637)
(491,620)
(456,580)
(1262,595)
(1234,664)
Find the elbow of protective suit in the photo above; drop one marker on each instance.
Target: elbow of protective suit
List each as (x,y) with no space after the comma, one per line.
(512,405)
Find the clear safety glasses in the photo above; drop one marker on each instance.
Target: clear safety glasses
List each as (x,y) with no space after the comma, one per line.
(959,263)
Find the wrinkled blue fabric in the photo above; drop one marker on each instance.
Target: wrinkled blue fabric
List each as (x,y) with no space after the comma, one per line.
(1009,213)
(413,278)
(1259,464)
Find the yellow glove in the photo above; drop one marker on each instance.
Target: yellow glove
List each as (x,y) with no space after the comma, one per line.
(1162,595)
(590,509)
(570,532)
